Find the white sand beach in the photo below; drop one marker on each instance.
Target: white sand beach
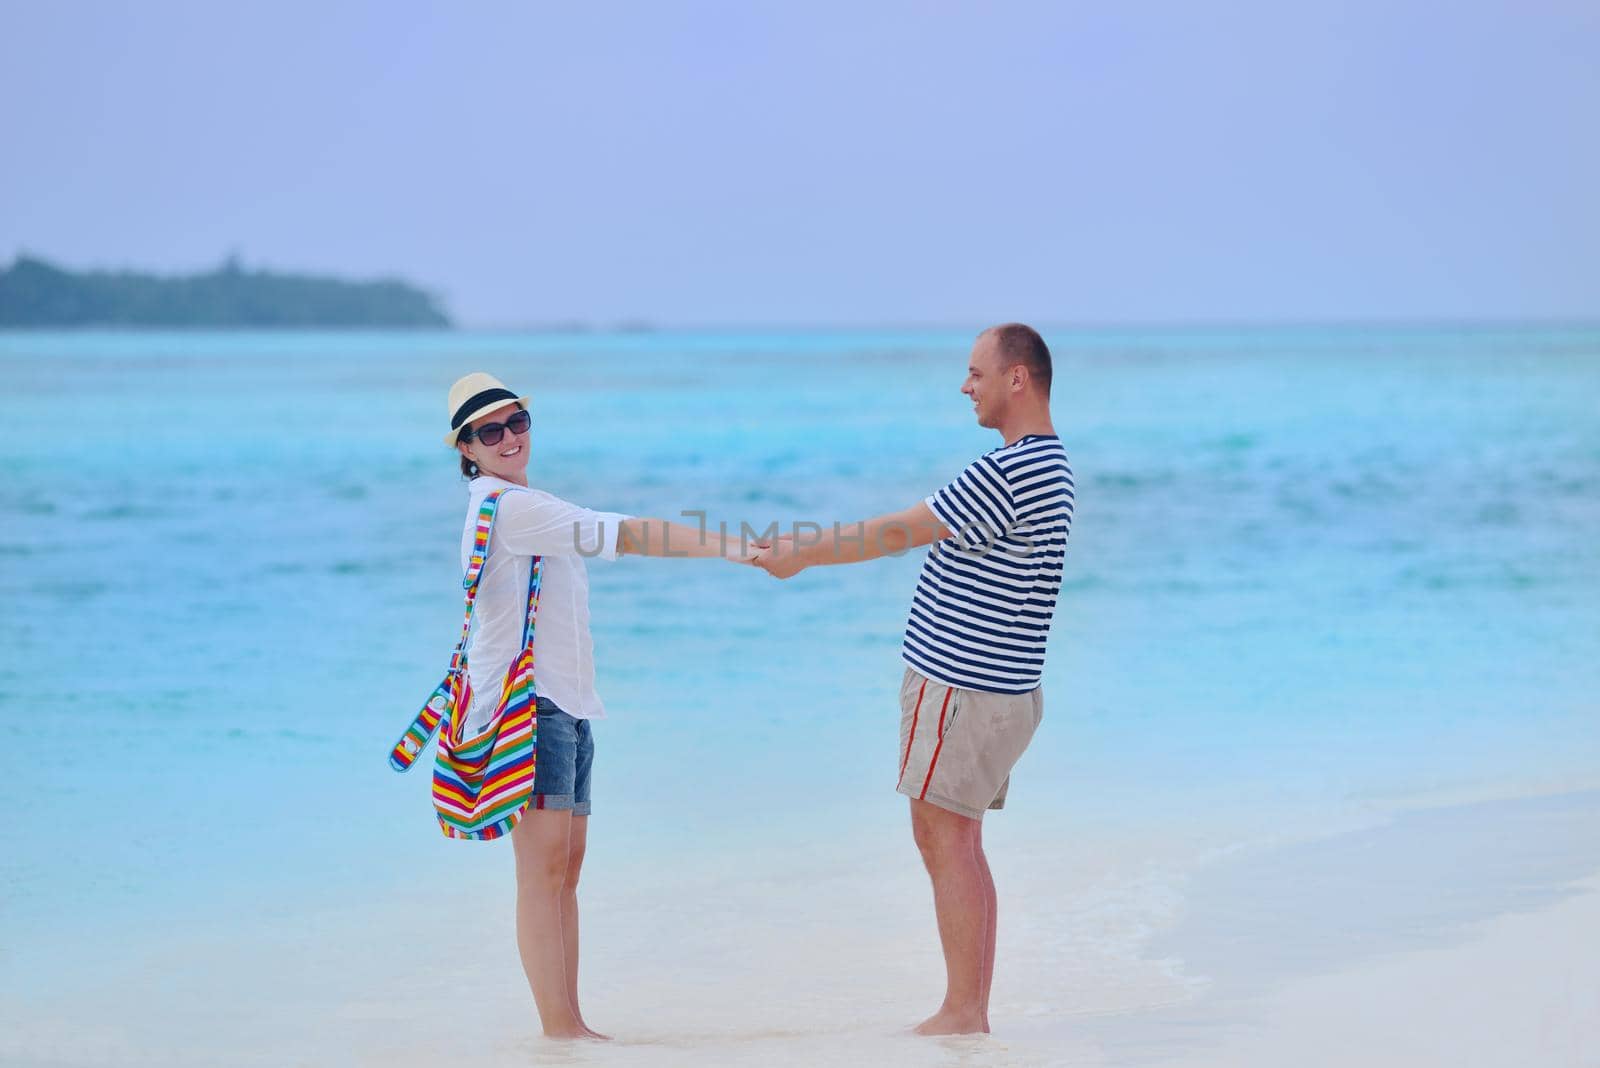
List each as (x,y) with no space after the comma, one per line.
(1455,935)
(1522,989)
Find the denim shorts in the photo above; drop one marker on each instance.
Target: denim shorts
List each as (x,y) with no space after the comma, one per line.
(565,758)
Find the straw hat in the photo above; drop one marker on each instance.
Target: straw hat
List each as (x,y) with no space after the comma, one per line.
(474,395)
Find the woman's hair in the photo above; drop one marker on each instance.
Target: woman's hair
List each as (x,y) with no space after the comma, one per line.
(469,470)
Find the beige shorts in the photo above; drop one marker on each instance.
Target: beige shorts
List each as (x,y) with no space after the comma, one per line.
(957,747)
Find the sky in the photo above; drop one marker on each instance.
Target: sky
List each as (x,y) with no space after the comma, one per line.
(828,164)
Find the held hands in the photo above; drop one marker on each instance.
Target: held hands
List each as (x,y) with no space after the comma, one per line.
(781,559)
(887,535)
(778,558)
(743,553)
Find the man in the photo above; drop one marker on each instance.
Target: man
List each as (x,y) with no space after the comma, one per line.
(974,643)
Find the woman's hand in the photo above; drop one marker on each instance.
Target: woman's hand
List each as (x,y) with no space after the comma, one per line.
(743,552)
(781,559)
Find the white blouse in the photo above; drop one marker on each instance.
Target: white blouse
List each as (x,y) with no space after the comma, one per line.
(530,522)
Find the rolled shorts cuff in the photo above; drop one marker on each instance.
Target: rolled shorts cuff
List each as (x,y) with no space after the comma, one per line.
(958,747)
(558,802)
(943,802)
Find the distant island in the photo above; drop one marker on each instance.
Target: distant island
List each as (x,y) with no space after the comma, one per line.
(34,293)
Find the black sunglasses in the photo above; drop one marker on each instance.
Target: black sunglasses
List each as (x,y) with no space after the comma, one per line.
(491,433)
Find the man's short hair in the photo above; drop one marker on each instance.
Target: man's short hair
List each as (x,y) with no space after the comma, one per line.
(1019,343)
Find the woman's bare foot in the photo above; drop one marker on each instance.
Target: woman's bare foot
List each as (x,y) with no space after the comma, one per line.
(949,1022)
(574,1028)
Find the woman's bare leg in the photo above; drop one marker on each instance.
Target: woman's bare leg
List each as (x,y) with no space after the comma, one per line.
(542,843)
(577,844)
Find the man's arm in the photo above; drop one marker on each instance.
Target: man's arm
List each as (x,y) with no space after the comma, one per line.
(658,537)
(885,535)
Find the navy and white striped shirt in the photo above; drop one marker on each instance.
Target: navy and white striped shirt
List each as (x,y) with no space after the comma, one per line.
(982,609)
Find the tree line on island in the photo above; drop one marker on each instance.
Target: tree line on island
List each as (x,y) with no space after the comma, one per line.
(35,293)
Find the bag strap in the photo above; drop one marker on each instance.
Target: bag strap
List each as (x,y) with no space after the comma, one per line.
(475,562)
(535,581)
(426,722)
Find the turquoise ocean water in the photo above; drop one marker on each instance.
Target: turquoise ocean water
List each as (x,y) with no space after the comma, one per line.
(1313,571)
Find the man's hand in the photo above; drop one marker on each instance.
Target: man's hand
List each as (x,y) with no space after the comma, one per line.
(744,553)
(781,559)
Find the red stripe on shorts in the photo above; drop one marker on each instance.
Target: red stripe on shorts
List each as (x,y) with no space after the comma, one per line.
(935,762)
(907,758)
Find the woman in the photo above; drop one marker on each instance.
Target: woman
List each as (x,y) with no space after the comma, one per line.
(489,426)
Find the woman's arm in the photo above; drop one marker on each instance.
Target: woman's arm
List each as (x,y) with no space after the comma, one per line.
(657,537)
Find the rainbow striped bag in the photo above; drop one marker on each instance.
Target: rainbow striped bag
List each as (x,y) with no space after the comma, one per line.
(482,784)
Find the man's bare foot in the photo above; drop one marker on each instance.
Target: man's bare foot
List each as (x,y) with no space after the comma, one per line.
(566,1033)
(588,1032)
(948,1022)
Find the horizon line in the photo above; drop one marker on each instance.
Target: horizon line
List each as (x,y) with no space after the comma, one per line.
(1421,322)
(626,327)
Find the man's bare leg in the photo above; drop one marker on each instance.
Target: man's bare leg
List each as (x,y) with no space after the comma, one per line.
(576,845)
(542,843)
(993,912)
(948,843)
